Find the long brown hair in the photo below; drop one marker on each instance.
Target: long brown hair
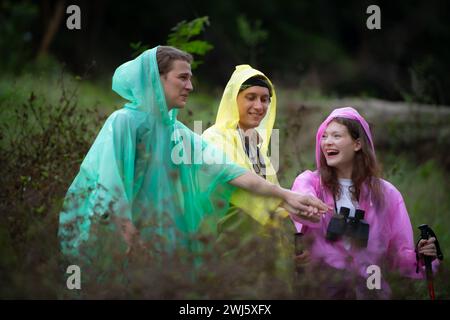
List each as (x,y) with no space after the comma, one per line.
(366,168)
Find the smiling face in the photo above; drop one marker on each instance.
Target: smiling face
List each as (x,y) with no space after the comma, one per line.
(339,148)
(177,84)
(252,103)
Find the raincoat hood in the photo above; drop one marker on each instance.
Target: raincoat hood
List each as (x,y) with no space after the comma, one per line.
(228,114)
(348,113)
(138,81)
(224,135)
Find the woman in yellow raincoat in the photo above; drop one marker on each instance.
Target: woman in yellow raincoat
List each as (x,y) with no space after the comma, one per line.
(243,130)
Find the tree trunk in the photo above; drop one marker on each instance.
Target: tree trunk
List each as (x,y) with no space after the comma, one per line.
(52,27)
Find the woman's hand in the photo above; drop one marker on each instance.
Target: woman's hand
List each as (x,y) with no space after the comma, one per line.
(295,203)
(130,234)
(303,258)
(427,247)
(305,206)
(313,217)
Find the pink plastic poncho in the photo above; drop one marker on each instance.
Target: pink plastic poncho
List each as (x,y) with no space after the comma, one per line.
(390,237)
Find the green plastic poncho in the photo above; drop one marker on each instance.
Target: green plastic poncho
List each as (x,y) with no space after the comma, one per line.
(144,166)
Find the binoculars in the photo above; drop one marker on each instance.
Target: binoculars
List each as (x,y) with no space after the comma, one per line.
(354,227)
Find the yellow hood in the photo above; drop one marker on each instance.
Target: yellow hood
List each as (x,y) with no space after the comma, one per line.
(228,114)
(224,135)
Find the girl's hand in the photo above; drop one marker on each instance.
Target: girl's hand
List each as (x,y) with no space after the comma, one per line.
(303,258)
(427,247)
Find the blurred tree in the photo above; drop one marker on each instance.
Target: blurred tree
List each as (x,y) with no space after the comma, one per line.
(323,43)
(52,21)
(182,34)
(181,38)
(16,33)
(253,36)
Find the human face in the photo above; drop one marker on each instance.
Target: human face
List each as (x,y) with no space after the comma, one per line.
(177,84)
(339,148)
(252,104)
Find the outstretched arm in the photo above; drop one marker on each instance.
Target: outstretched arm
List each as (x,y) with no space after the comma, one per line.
(294,202)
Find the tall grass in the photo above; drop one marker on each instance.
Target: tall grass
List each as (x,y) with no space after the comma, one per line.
(47,125)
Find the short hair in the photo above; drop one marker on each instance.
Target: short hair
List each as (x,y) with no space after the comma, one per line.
(257,80)
(165,55)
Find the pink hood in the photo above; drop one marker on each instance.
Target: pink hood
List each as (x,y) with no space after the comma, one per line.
(348,113)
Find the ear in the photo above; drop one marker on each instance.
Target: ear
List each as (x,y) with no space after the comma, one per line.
(357,145)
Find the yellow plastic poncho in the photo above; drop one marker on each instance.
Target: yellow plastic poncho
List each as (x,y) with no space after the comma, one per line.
(224,134)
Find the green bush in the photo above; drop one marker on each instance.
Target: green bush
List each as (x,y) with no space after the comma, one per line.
(42,145)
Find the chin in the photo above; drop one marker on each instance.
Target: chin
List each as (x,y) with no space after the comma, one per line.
(331,164)
(180,106)
(256,124)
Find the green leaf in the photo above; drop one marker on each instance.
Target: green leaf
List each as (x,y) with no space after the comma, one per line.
(138,48)
(182,34)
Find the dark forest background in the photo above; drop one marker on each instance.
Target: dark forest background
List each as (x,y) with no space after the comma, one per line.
(323,44)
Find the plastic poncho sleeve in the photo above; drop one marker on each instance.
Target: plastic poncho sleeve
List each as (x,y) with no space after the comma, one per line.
(401,244)
(104,184)
(258,207)
(305,183)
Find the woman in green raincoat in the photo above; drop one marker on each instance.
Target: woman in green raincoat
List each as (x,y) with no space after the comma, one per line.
(132,178)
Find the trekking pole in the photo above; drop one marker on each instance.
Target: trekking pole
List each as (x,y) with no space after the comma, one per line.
(425,233)
(298,250)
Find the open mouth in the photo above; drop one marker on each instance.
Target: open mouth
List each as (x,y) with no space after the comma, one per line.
(332,152)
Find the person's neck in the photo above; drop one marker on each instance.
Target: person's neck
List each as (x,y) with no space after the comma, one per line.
(246,130)
(344,173)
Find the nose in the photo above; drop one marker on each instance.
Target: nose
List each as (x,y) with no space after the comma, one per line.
(189,85)
(258,105)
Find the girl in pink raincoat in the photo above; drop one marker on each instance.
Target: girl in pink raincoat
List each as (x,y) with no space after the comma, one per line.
(347,175)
